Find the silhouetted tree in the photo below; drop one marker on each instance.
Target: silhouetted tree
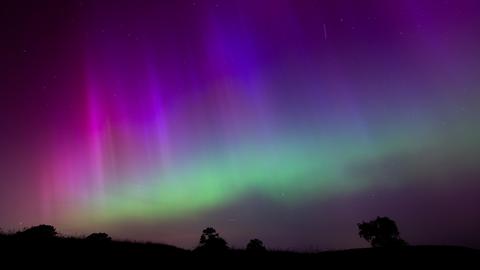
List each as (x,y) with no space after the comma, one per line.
(99,237)
(256,245)
(38,232)
(381,232)
(211,241)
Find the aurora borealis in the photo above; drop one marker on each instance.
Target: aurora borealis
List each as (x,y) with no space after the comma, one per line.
(289,121)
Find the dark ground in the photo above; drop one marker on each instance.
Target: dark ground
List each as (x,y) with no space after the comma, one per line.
(70,253)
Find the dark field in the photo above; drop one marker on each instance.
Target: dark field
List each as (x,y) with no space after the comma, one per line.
(73,252)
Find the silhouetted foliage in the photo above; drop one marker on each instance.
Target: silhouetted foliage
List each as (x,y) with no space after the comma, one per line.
(211,241)
(63,251)
(256,245)
(99,237)
(381,232)
(38,232)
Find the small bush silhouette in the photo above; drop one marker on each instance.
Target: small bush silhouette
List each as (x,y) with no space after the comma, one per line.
(256,245)
(381,232)
(38,232)
(103,237)
(211,241)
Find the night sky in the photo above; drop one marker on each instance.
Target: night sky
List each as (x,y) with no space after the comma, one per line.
(288,121)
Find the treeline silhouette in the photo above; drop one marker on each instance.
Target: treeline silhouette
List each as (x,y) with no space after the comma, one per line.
(45,243)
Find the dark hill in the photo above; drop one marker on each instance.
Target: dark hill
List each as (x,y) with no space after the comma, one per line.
(58,251)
